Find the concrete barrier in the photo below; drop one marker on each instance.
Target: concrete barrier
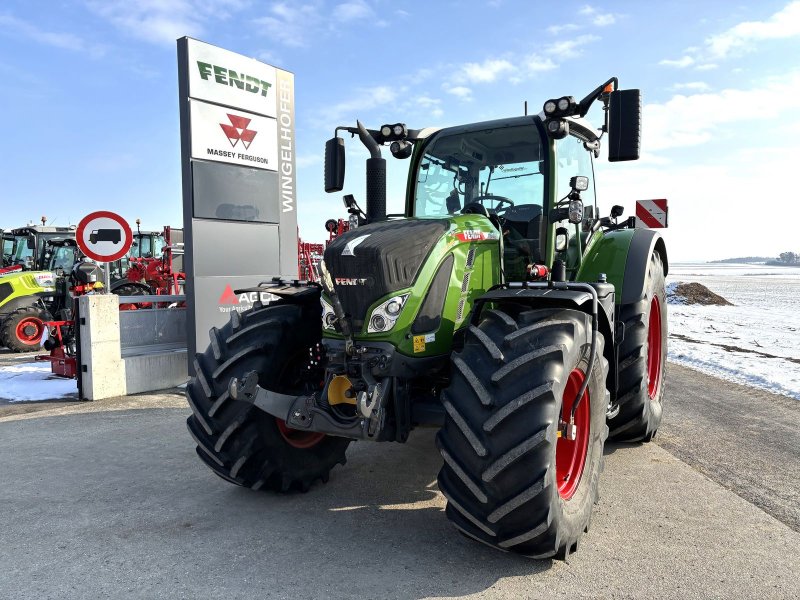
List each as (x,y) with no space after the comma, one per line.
(102,369)
(149,355)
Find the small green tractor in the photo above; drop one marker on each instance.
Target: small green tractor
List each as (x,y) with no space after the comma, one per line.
(500,307)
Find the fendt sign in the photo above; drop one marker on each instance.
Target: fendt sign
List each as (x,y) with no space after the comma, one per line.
(238,157)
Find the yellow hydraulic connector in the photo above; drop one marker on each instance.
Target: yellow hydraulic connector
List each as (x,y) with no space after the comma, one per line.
(337,391)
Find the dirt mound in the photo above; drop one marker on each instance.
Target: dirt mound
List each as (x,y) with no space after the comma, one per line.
(694,293)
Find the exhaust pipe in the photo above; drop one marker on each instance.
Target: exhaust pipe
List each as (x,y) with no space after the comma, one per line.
(376,177)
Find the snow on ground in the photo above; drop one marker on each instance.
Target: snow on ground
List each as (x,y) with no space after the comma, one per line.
(33,381)
(755,342)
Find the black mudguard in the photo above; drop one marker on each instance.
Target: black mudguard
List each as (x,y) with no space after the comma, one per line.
(643,243)
(545,297)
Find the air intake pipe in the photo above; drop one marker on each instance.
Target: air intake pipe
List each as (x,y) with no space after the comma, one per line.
(376,176)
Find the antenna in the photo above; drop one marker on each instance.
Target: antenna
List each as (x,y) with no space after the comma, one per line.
(526,108)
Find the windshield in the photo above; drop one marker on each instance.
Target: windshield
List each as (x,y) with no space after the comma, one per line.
(500,169)
(62,258)
(148,246)
(22,255)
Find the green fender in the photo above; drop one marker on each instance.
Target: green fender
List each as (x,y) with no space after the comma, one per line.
(623,255)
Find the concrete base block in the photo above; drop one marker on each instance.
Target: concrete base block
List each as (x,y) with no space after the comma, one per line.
(156,371)
(103,372)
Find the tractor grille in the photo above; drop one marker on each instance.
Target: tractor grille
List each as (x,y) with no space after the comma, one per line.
(371,261)
(5,291)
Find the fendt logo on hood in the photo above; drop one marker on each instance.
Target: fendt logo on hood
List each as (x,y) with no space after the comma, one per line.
(237,131)
(230,300)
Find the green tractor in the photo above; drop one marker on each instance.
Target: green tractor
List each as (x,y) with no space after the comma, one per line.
(500,308)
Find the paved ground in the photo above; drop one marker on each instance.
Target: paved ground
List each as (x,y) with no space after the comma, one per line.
(143,518)
(745,439)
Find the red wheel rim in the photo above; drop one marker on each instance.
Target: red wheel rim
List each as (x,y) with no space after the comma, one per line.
(654,349)
(29,330)
(297,438)
(571,454)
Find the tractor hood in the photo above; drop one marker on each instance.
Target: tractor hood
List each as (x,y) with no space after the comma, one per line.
(374,260)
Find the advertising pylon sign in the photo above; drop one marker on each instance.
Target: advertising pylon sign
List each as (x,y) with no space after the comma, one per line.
(238,166)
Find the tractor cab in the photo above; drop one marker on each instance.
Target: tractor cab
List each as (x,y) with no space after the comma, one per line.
(8,242)
(61,254)
(30,244)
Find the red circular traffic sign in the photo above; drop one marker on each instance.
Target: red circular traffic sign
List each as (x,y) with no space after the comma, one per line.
(104,236)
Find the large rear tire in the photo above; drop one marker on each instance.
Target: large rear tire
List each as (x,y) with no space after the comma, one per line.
(239,442)
(642,361)
(510,480)
(21,330)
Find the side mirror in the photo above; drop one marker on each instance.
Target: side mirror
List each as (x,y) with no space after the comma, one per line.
(561,239)
(334,165)
(616,211)
(624,125)
(31,242)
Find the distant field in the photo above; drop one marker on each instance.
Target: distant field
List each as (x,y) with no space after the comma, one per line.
(755,342)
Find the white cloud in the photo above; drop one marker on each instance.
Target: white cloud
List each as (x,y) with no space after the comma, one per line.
(556,29)
(363,100)
(485,72)
(291,25)
(604,20)
(783,24)
(459,91)
(598,19)
(682,62)
(352,11)
(741,38)
(570,48)
(694,86)
(691,120)
(432,106)
(163,21)
(65,41)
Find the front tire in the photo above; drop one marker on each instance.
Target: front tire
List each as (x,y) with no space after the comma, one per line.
(239,442)
(510,480)
(22,329)
(642,361)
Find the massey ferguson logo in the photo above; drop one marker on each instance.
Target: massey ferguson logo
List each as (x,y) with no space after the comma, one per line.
(230,300)
(237,131)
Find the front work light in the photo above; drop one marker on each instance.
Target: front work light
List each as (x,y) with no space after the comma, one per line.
(401,149)
(557,128)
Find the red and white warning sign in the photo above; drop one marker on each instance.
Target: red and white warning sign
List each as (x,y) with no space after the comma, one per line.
(651,214)
(104,236)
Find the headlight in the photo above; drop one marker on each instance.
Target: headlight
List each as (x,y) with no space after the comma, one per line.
(386,314)
(328,316)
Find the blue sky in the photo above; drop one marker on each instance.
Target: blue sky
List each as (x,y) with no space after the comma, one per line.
(88,92)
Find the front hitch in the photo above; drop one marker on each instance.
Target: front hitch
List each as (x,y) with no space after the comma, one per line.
(303,412)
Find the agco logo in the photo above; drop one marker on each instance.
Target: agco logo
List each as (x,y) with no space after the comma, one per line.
(237,131)
(230,300)
(228,77)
